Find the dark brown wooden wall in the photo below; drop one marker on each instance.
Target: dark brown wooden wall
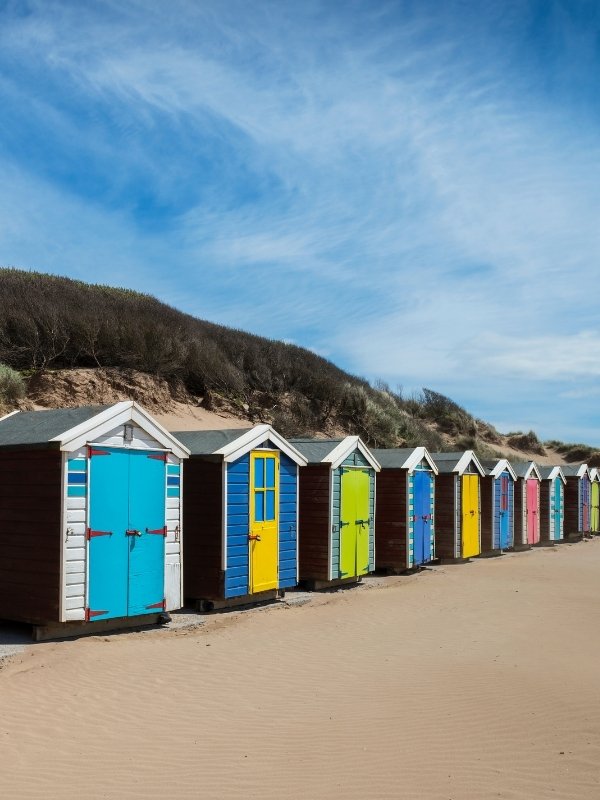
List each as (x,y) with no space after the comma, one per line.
(545,487)
(391,535)
(315,522)
(444,516)
(520,536)
(31,492)
(203,576)
(487,520)
(572,506)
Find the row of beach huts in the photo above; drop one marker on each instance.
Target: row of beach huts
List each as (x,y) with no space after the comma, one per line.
(109,520)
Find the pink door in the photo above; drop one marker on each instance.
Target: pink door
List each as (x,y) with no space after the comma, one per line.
(533,531)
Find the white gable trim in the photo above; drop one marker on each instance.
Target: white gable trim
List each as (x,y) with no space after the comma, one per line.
(253,438)
(341,451)
(594,474)
(419,454)
(110,418)
(556,472)
(467,457)
(533,467)
(501,465)
(10,414)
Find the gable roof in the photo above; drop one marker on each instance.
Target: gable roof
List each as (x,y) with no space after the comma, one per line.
(404,458)
(334,451)
(575,470)
(457,462)
(68,429)
(594,474)
(234,443)
(549,473)
(496,466)
(525,469)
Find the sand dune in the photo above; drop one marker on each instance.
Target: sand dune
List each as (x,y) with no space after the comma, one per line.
(472,681)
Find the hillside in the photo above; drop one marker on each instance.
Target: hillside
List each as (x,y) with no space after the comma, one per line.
(75,343)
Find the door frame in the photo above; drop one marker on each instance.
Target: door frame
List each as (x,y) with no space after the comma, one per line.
(251,488)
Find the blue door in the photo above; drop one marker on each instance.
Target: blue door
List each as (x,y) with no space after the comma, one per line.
(126,533)
(147,544)
(556,508)
(504,517)
(422,518)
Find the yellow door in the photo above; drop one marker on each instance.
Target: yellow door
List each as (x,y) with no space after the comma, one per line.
(264,535)
(470,516)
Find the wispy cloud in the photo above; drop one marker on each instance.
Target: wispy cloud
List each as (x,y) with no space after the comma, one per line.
(411,191)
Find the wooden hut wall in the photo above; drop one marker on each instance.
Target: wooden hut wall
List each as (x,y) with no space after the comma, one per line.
(203,573)
(520,533)
(391,519)
(447,506)
(31,495)
(573,509)
(488,537)
(238,525)
(315,520)
(355,459)
(546,515)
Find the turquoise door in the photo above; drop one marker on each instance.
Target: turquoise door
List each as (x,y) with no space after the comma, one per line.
(126,533)
(557,508)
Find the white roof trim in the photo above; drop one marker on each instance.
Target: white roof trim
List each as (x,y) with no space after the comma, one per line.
(341,451)
(533,467)
(119,414)
(464,462)
(501,465)
(556,472)
(419,454)
(10,414)
(594,474)
(250,440)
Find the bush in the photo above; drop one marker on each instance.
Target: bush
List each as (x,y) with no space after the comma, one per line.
(12,385)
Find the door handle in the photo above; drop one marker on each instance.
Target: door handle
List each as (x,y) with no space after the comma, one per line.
(252,538)
(132,532)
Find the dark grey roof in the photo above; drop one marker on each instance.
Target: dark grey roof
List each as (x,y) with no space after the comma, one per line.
(446,462)
(571,470)
(392,457)
(521,467)
(546,470)
(39,427)
(315,450)
(207,442)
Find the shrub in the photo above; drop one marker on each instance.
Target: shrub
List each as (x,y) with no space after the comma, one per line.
(12,385)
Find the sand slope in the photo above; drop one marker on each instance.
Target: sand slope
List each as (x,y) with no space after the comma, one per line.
(472,681)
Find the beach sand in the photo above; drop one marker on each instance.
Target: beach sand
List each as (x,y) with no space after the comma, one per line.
(469,681)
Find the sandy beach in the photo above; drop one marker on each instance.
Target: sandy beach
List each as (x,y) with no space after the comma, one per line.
(468,681)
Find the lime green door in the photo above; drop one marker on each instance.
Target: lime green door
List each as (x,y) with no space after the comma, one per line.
(354,522)
(264,505)
(595,518)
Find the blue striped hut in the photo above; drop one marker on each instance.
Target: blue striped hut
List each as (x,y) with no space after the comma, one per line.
(552,504)
(405,503)
(240,506)
(337,511)
(497,506)
(577,500)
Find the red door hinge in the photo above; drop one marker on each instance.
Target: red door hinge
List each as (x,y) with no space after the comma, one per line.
(91,534)
(158,531)
(89,614)
(93,451)
(159,456)
(162,605)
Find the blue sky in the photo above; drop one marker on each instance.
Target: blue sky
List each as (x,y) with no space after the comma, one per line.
(411,189)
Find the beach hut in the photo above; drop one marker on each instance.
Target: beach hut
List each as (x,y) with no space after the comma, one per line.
(405,505)
(457,505)
(577,500)
(594,500)
(240,502)
(527,505)
(90,526)
(497,506)
(337,511)
(552,504)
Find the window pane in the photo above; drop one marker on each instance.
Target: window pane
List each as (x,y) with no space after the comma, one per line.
(270,472)
(270,504)
(259,506)
(259,473)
